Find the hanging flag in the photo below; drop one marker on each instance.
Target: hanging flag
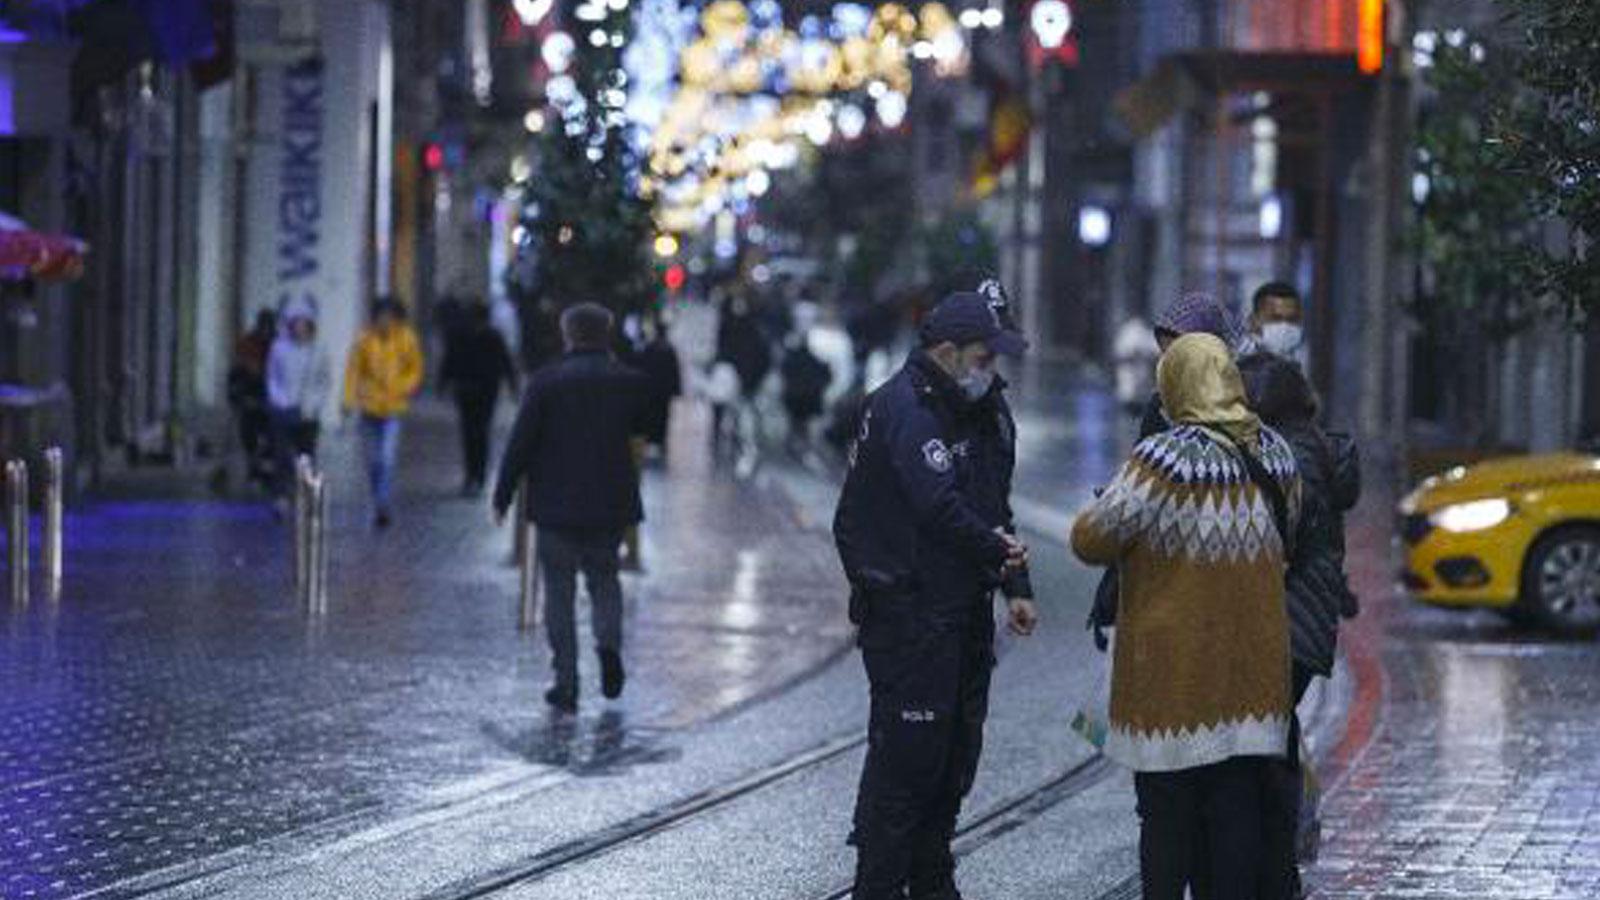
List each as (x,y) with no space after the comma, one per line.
(1010,122)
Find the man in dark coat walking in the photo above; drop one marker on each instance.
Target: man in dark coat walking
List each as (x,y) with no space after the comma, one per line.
(573,443)
(476,363)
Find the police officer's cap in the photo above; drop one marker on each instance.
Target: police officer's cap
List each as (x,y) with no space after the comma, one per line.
(967,317)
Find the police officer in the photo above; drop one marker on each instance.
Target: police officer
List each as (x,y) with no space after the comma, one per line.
(924,530)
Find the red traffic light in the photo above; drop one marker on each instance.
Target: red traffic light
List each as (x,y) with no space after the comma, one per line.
(674,278)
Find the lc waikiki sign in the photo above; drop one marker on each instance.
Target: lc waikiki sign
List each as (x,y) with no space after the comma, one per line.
(318,179)
(299,206)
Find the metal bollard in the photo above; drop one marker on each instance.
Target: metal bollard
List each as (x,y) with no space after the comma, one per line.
(17,530)
(54,519)
(519,535)
(529,612)
(317,547)
(303,473)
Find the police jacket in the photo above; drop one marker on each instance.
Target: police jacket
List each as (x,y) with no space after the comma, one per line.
(573,442)
(928,484)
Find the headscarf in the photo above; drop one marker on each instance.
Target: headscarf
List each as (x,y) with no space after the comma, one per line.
(1200,385)
(1198,313)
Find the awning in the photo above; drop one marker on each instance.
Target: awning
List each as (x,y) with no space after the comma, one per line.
(1182,80)
(25,253)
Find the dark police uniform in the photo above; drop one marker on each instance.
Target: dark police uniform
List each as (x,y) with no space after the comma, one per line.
(929,482)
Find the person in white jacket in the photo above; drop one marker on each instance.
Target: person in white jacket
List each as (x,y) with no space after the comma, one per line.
(298,380)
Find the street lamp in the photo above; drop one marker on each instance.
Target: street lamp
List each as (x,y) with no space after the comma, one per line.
(1094,226)
(1051,20)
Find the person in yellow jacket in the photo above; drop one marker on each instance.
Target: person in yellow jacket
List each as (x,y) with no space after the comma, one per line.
(382,374)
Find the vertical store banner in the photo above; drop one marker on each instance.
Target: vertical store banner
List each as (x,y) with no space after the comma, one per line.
(313,209)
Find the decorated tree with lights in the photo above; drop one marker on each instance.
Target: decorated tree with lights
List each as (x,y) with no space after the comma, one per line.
(590,224)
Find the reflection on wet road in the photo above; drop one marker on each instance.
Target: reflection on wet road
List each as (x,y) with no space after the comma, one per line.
(177,706)
(1481,778)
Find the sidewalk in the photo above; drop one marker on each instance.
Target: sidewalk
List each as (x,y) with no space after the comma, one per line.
(1470,766)
(177,706)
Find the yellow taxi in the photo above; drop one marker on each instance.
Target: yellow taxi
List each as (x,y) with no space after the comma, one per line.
(1519,534)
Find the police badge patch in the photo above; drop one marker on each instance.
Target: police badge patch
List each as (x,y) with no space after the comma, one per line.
(936,455)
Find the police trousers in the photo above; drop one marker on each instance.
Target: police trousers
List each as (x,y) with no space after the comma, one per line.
(930,698)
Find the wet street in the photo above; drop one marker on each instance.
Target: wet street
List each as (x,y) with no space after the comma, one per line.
(176,728)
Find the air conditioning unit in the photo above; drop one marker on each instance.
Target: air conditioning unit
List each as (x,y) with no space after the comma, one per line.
(275,31)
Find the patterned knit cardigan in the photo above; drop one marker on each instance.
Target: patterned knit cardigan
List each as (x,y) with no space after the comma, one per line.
(1200,670)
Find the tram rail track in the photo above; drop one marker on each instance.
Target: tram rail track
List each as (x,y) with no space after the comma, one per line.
(1005,816)
(646,825)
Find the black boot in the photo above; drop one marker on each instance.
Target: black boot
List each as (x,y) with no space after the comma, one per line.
(611,674)
(562,701)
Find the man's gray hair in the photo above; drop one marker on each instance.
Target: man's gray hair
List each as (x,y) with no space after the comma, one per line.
(587,326)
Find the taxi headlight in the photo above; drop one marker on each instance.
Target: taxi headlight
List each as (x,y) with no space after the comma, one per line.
(1474,516)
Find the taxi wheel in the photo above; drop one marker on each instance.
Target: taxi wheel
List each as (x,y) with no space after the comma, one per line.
(1561,580)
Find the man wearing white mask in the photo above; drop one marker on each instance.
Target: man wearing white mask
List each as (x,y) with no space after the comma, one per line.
(1277,322)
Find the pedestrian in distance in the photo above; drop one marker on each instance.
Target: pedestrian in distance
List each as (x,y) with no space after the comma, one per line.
(1200,674)
(298,381)
(247,395)
(1319,596)
(572,446)
(741,347)
(1134,352)
(658,361)
(806,379)
(925,535)
(381,377)
(477,364)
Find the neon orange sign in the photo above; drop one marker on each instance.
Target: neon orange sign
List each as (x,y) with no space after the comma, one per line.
(1369,47)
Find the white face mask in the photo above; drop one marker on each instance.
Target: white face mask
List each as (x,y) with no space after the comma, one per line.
(1282,338)
(976,383)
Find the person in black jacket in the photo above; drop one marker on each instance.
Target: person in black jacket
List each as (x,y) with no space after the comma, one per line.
(740,344)
(1318,595)
(658,361)
(573,443)
(805,384)
(925,534)
(476,363)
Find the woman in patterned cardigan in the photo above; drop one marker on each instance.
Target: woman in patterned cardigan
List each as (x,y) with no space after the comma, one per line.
(1200,673)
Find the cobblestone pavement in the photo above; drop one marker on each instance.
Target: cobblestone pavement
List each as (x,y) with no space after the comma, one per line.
(176,706)
(1470,767)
